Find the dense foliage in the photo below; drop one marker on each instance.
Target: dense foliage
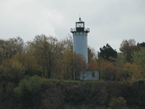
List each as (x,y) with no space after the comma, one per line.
(107,51)
(26,68)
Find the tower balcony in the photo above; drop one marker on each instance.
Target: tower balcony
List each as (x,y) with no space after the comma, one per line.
(74,30)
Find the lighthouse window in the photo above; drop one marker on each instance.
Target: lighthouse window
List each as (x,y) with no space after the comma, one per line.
(80,25)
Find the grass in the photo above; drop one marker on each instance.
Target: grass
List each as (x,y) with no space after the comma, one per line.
(74,81)
(85,81)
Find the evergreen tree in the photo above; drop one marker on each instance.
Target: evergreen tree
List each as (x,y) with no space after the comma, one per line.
(107,51)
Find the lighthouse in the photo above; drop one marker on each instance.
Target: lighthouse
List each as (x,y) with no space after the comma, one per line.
(80,34)
(80,46)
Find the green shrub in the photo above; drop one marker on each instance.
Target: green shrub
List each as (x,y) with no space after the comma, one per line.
(28,92)
(126,74)
(139,82)
(117,103)
(129,82)
(9,86)
(11,71)
(1,88)
(102,75)
(102,107)
(53,95)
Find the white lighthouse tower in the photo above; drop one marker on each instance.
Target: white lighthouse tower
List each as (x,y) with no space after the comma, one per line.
(80,38)
(80,46)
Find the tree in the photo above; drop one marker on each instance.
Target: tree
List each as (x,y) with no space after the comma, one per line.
(139,57)
(29,93)
(107,51)
(120,66)
(11,47)
(67,66)
(91,54)
(45,50)
(73,65)
(1,50)
(134,70)
(141,44)
(121,57)
(111,71)
(127,47)
(67,44)
(29,62)
(57,71)
(79,65)
(11,70)
(93,66)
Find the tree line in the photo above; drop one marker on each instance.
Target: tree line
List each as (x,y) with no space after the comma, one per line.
(44,56)
(128,63)
(47,57)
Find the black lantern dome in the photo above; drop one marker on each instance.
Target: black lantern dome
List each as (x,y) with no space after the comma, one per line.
(80,27)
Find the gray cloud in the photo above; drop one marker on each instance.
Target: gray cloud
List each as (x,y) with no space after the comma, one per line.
(110,21)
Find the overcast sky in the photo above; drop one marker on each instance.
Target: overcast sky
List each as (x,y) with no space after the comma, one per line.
(110,21)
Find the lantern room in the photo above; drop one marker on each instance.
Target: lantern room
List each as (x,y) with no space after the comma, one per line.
(80,26)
